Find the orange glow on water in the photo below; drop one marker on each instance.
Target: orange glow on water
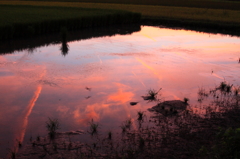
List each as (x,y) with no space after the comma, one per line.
(117,70)
(122,96)
(29,110)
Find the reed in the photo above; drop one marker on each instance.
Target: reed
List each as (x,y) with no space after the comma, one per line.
(52,126)
(93,130)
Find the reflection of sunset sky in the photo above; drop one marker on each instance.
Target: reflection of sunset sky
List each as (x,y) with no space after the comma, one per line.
(118,70)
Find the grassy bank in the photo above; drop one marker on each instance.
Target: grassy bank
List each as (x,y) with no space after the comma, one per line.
(26,21)
(213,4)
(222,19)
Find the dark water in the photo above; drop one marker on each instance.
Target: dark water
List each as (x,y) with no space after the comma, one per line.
(98,76)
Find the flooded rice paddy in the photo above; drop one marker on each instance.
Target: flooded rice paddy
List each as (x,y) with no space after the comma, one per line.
(97,78)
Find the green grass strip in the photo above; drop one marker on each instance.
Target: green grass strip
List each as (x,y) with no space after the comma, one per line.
(221,16)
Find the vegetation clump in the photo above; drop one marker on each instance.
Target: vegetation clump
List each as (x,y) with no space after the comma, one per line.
(151,95)
(52,126)
(93,130)
(183,135)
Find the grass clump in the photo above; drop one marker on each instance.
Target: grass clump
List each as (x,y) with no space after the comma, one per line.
(185,100)
(141,115)
(52,126)
(184,135)
(151,95)
(226,145)
(93,130)
(110,135)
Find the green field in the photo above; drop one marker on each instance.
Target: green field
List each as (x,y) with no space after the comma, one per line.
(219,15)
(222,16)
(26,20)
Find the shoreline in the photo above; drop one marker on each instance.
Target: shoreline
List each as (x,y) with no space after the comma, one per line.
(212,20)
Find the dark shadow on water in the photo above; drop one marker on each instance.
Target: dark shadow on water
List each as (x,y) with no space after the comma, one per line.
(31,44)
(10,46)
(64,49)
(194,26)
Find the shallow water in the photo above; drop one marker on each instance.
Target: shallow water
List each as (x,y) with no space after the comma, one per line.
(98,78)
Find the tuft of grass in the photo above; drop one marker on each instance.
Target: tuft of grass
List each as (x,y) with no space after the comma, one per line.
(38,138)
(19,144)
(93,128)
(141,143)
(141,115)
(151,95)
(128,123)
(236,91)
(224,87)
(123,127)
(185,100)
(52,126)
(110,135)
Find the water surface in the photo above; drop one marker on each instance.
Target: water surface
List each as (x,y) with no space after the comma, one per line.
(98,77)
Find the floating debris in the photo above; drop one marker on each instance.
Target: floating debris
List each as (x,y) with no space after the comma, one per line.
(133,103)
(87,88)
(169,107)
(77,132)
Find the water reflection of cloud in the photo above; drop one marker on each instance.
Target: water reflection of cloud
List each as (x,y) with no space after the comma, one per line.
(63,109)
(6,73)
(83,117)
(117,75)
(28,112)
(122,95)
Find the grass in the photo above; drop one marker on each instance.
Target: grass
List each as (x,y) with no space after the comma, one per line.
(27,20)
(185,100)
(151,95)
(154,12)
(226,145)
(52,126)
(184,135)
(214,4)
(141,115)
(213,15)
(93,130)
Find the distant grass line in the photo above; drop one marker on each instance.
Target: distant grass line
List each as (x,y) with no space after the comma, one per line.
(210,4)
(151,12)
(25,20)
(200,15)
(222,19)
